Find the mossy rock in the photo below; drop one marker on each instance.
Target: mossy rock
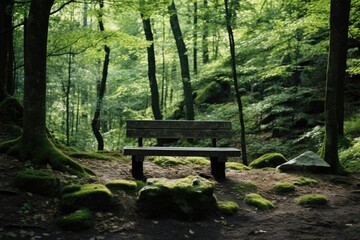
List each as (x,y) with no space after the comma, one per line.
(237,166)
(268,160)
(258,201)
(76,221)
(128,186)
(190,197)
(197,160)
(38,181)
(284,187)
(95,197)
(312,200)
(302,181)
(168,161)
(227,207)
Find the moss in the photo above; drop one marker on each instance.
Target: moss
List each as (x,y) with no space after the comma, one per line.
(284,187)
(186,197)
(268,160)
(207,93)
(168,161)
(237,166)
(79,220)
(227,207)
(244,187)
(305,181)
(38,181)
(197,160)
(128,186)
(92,196)
(258,201)
(92,155)
(312,200)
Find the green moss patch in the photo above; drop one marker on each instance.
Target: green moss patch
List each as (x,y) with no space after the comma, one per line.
(92,155)
(168,161)
(258,201)
(91,196)
(268,160)
(197,160)
(312,200)
(38,181)
(284,187)
(79,220)
(237,166)
(244,187)
(128,186)
(186,197)
(227,207)
(302,181)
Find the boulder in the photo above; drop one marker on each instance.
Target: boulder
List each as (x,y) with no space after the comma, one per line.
(94,197)
(190,197)
(268,160)
(308,161)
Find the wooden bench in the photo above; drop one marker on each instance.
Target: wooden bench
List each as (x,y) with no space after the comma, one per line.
(177,129)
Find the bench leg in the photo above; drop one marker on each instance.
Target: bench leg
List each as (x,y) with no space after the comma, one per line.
(218,168)
(137,167)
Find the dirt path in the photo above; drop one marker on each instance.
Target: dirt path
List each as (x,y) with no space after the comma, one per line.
(29,216)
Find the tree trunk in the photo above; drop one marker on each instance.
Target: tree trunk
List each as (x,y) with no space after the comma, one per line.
(339,20)
(155,104)
(7,84)
(184,62)
(238,96)
(205,34)
(195,37)
(95,124)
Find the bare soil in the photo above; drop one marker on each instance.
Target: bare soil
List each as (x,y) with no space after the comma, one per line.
(30,216)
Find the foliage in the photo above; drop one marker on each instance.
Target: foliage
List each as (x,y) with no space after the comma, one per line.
(258,201)
(312,200)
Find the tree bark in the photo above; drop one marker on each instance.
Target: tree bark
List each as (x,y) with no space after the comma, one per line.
(234,72)
(7,84)
(184,62)
(195,35)
(155,104)
(205,34)
(95,124)
(339,20)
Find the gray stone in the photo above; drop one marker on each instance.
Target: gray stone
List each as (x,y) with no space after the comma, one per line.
(308,161)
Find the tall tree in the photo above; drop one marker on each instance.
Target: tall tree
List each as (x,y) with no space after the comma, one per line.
(95,124)
(7,86)
(339,24)
(155,104)
(184,62)
(228,14)
(34,144)
(195,35)
(205,33)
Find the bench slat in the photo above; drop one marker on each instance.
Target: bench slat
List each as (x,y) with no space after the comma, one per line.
(178,124)
(183,151)
(178,133)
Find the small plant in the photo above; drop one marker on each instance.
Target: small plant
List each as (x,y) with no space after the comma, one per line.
(284,187)
(312,200)
(258,201)
(227,207)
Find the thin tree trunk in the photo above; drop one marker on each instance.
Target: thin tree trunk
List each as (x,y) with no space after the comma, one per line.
(339,20)
(95,124)
(195,35)
(155,105)
(205,34)
(238,96)
(184,62)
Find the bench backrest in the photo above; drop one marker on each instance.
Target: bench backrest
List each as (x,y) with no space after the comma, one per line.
(178,129)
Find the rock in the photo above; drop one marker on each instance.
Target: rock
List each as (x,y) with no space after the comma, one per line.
(308,161)
(91,196)
(128,186)
(268,160)
(190,197)
(38,181)
(79,220)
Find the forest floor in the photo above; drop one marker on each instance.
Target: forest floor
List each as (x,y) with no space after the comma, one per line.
(31,216)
